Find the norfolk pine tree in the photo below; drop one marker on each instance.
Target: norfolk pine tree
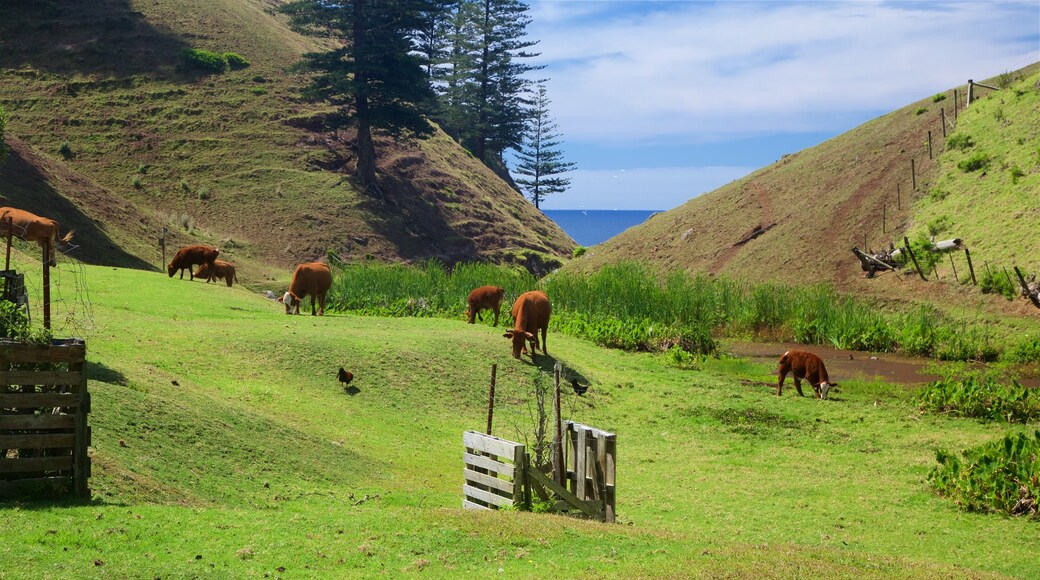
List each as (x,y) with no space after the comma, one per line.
(374,77)
(541,161)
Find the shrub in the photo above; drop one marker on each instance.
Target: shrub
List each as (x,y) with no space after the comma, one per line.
(136,182)
(937,194)
(184,186)
(1016,174)
(939,97)
(258,91)
(1000,477)
(994,282)
(977,161)
(960,141)
(921,111)
(65,150)
(203,194)
(203,59)
(580,251)
(235,61)
(1026,350)
(981,396)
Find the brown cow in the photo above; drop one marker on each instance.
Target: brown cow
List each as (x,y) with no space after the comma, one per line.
(804,365)
(530,312)
(189,256)
(485,298)
(220,270)
(32,228)
(314,278)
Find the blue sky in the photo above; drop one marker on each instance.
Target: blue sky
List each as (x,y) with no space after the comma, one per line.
(658,102)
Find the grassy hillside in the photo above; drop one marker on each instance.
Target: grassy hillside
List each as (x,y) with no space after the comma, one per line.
(223,444)
(796,220)
(101,106)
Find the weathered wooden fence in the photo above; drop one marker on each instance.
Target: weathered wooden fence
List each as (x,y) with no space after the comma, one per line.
(498,473)
(43,416)
(493,472)
(590,466)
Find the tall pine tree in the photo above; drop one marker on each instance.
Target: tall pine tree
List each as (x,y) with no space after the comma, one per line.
(541,160)
(374,77)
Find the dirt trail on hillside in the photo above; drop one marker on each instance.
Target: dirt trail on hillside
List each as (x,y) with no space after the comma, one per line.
(765,222)
(843,365)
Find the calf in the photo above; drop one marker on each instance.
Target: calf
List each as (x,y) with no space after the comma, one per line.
(189,256)
(485,298)
(530,312)
(220,270)
(804,365)
(313,278)
(32,228)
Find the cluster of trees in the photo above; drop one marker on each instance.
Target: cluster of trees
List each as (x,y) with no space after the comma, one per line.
(458,62)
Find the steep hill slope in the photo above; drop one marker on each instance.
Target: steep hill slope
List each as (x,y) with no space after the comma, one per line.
(796,220)
(100,106)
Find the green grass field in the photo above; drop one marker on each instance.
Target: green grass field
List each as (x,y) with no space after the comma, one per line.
(224,446)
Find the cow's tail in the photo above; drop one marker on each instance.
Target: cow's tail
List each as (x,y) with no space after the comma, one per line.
(68,237)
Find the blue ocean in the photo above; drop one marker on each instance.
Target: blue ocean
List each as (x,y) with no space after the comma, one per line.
(590,227)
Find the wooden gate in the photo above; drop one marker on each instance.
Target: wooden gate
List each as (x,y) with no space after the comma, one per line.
(493,471)
(43,416)
(590,466)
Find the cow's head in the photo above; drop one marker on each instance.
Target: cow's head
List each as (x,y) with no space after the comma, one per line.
(824,387)
(519,339)
(291,301)
(170,269)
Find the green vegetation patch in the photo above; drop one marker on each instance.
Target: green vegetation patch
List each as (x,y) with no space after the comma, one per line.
(982,396)
(1001,477)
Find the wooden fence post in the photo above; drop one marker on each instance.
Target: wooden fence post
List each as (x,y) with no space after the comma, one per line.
(46,286)
(561,477)
(930,144)
(914,258)
(942,116)
(913,173)
(954,266)
(884,218)
(899,201)
(971,269)
(491,398)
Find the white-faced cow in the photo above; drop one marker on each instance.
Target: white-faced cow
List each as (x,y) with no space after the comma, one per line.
(189,256)
(312,278)
(32,228)
(485,298)
(804,365)
(530,312)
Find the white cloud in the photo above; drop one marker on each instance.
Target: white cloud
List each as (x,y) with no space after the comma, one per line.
(624,71)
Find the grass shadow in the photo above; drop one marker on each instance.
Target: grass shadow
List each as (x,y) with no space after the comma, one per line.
(101,373)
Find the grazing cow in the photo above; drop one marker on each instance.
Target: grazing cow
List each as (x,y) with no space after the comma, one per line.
(32,228)
(804,365)
(220,270)
(531,312)
(314,278)
(189,256)
(485,297)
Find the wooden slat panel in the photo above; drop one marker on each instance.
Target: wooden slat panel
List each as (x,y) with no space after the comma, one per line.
(489,481)
(38,441)
(35,464)
(573,426)
(486,497)
(38,400)
(489,444)
(488,464)
(37,421)
(586,507)
(40,378)
(581,462)
(466,504)
(16,352)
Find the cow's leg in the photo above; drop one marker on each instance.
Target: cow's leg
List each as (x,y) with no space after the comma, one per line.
(545,347)
(497,308)
(321,304)
(780,383)
(798,385)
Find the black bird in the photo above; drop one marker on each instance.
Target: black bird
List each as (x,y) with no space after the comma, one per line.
(345,376)
(579,389)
